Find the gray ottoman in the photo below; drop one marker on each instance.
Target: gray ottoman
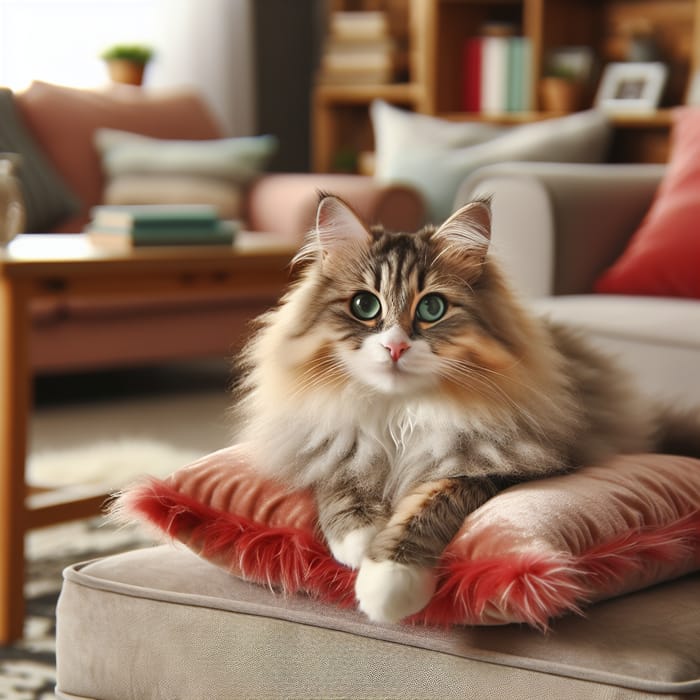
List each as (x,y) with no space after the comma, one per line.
(163,623)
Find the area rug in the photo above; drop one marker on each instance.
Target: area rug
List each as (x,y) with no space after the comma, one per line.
(110,463)
(28,667)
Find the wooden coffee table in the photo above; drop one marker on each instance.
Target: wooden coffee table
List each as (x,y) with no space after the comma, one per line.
(36,265)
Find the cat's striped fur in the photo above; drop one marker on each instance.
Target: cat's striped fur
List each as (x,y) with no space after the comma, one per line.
(404,422)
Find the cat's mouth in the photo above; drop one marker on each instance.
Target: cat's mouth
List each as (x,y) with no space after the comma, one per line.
(394,378)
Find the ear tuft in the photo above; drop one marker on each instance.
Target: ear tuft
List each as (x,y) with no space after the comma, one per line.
(469,228)
(337,224)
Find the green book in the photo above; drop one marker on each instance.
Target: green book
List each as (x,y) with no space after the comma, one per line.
(148,217)
(192,235)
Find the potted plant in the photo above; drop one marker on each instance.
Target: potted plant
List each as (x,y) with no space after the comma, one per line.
(561,90)
(126,62)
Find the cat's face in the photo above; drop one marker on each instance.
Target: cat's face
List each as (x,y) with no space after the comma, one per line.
(397,313)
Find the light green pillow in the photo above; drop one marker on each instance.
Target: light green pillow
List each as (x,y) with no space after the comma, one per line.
(237,160)
(425,152)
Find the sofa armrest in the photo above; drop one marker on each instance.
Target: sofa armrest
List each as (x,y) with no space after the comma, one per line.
(557,226)
(286,203)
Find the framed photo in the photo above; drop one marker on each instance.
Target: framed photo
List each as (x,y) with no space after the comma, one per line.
(631,87)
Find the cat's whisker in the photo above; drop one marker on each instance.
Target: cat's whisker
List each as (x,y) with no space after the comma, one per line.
(489,388)
(324,372)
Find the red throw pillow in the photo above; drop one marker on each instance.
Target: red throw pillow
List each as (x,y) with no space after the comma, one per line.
(663,256)
(531,553)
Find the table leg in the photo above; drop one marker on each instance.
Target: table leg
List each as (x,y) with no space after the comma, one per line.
(15,399)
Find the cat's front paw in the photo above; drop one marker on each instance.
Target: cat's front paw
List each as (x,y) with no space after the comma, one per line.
(352,547)
(388,591)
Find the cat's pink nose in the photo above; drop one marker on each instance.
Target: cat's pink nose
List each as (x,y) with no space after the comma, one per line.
(396,348)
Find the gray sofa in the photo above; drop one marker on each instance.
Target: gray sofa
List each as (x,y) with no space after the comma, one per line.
(556,227)
(162,622)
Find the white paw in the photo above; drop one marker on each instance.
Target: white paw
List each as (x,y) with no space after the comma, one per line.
(388,591)
(351,549)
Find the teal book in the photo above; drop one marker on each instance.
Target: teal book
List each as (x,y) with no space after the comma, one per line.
(519,93)
(148,217)
(193,234)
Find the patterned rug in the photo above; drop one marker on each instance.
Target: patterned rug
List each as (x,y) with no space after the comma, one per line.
(28,667)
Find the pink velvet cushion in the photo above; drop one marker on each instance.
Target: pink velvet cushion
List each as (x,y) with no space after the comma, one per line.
(63,120)
(663,256)
(535,551)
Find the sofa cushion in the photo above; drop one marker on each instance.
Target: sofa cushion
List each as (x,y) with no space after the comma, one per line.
(663,256)
(656,339)
(143,170)
(63,120)
(237,160)
(47,198)
(408,152)
(533,552)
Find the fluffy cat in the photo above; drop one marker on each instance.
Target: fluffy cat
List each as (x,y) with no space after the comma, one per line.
(402,380)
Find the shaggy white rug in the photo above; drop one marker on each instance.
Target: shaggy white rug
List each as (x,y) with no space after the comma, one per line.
(112,463)
(112,441)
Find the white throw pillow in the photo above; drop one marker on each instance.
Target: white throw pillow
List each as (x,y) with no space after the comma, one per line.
(238,160)
(426,152)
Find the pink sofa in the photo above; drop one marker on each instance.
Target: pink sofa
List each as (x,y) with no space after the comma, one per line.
(64,178)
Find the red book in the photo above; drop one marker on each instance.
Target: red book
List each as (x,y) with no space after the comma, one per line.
(471,75)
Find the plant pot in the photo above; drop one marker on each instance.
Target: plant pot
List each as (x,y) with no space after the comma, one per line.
(560,94)
(128,72)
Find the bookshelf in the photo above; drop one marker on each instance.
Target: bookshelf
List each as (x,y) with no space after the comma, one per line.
(432,33)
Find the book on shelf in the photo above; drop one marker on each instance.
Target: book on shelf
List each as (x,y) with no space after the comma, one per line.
(359,49)
(494,67)
(471,97)
(497,74)
(359,25)
(519,75)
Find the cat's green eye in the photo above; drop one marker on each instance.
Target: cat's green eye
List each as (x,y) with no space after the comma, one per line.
(431,308)
(365,306)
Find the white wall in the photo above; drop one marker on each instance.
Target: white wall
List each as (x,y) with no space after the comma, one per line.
(206,44)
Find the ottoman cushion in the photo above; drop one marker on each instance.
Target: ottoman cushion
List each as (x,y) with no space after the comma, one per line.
(162,622)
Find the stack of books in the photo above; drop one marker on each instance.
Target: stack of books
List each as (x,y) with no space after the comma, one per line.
(497,74)
(129,226)
(359,50)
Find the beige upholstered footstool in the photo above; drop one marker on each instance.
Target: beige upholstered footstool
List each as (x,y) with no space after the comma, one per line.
(164,623)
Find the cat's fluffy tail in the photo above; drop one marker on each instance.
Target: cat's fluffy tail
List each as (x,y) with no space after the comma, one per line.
(678,431)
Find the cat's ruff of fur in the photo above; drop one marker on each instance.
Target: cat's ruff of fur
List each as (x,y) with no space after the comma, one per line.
(367,408)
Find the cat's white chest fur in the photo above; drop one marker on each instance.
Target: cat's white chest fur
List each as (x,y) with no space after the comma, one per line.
(403,439)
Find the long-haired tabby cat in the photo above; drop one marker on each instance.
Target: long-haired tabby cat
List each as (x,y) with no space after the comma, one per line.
(401,379)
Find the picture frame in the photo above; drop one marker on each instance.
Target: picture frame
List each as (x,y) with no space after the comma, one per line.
(631,87)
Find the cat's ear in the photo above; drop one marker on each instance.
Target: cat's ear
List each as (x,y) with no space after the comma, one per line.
(469,229)
(337,225)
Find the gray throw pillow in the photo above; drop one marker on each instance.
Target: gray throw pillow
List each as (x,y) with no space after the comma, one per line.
(47,199)
(436,166)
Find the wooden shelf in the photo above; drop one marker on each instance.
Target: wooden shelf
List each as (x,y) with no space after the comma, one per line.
(659,118)
(437,32)
(364,94)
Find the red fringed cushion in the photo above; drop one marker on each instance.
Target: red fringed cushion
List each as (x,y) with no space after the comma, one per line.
(533,552)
